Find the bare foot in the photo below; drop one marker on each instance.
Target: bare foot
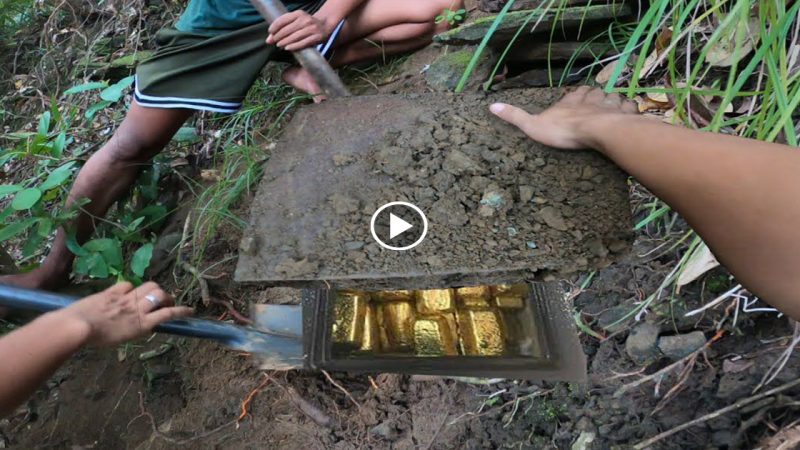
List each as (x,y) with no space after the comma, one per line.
(39,278)
(300,79)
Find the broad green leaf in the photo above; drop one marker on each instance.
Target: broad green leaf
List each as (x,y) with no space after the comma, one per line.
(114,92)
(32,245)
(75,248)
(6,213)
(44,124)
(45,227)
(97,266)
(11,230)
(57,177)
(86,87)
(133,226)
(58,145)
(25,199)
(153,213)
(99,245)
(186,135)
(6,189)
(110,249)
(94,109)
(81,266)
(141,259)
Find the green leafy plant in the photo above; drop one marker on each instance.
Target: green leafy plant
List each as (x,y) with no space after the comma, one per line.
(451,17)
(33,206)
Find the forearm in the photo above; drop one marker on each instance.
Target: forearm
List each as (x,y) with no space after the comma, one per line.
(30,355)
(742,196)
(334,11)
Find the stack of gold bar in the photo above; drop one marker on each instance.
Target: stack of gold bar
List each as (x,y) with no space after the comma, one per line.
(472,321)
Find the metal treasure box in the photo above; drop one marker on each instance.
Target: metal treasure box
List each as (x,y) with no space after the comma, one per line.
(519,331)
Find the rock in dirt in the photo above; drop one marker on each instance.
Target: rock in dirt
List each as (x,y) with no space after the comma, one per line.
(495,201)
(676,347)
(386,430)
(611,319)
(568,19)
(642,343)
(553,218)
(445,73)
(584,441)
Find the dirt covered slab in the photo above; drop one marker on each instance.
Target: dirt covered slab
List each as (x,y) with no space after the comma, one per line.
(500,207)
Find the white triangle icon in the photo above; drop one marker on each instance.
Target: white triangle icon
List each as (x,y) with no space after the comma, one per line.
(397,226)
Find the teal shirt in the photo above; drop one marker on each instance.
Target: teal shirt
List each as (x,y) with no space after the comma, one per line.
(213,17)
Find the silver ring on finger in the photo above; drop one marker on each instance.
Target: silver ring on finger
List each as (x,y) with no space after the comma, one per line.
(153,300)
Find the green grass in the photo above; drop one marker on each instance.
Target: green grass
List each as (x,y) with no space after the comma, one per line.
(240,161)
(764,78)
(761,84)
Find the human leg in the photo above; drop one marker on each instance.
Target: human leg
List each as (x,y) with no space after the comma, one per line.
(377,29)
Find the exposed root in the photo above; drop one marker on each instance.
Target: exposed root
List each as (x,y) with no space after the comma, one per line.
(738,405)
(515,401)
(304,406)
(205,293)
(339,386)
(143,413)
(249,399)
(780,363)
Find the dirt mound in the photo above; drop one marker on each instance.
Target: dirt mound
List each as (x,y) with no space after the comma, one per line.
(501,208)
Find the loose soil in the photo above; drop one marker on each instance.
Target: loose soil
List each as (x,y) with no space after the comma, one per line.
(195,394)
(500,208)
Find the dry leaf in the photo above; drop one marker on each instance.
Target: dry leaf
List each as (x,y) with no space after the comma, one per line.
(649,64)
(658,97)
(720,54)
(701,261)
(211,175)
(669,117)
(604,75)
(663,39)
(646,104)
(784,439)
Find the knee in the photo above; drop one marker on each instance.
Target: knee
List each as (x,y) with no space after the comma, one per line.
(126,148)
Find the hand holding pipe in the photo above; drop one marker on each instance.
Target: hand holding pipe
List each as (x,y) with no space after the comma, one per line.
(309,57)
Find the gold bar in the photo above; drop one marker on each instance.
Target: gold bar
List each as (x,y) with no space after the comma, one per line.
(349,310)
(393,296)
(481,333)
(434,336)
(520,289)
(474,297)
(396,321)
(435,301)
(509,301)
(369,342)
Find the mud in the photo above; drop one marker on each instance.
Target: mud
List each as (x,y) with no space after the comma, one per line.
(500,207)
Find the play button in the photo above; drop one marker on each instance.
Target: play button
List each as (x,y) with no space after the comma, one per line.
(399,226)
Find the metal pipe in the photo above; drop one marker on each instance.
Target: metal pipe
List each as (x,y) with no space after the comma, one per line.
(309,57)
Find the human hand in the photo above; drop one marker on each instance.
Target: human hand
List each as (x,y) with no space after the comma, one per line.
(567,124)
(297,30)
(122,313)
